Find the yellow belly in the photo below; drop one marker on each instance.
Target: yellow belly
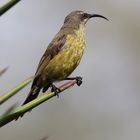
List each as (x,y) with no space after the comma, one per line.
(65,62)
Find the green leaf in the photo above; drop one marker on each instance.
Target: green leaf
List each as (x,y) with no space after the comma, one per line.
(10,109)
(27,107)
(15,90)
(7,6)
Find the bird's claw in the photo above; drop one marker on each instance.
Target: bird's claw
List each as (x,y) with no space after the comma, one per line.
(55,90)
(79,80)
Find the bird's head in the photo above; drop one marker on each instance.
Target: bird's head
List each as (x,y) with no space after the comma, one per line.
(80,17)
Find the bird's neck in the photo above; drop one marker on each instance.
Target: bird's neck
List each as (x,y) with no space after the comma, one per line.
(71,24)
(78,29)
(80,32)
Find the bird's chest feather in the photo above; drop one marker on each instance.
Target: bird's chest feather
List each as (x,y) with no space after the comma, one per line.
(75,45)
(69,57)
(74,49)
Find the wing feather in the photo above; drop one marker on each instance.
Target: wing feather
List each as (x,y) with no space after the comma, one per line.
(53,49)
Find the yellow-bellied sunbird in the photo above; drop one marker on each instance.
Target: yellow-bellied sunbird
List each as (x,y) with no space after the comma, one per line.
(63,55)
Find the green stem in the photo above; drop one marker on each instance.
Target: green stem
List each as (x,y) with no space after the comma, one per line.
(11,93)
(7,6)
(25,108)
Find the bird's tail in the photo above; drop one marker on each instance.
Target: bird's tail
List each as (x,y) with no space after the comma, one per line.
(31,96)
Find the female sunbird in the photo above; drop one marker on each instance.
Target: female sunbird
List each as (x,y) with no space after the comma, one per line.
(63,55)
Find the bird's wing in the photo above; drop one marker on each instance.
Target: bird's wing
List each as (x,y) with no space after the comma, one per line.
(53,49)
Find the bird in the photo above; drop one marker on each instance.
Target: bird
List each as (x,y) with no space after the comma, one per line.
(62,55)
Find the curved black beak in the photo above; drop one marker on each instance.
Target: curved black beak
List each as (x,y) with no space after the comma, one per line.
(96,15)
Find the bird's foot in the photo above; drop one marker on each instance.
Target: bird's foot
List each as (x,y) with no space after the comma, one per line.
(78,80)
(56,90)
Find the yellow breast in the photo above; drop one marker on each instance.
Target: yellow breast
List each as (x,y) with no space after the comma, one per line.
(74,47)
(75,44)
(68,59)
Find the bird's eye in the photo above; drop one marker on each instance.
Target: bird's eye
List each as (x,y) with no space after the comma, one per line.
(85,15)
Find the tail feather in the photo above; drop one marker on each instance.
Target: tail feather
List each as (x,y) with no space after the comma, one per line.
(32,95)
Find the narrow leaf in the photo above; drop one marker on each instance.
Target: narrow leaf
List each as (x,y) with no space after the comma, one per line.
(12,92)
(25,108)
(3,71)
(7,6)
(10,109)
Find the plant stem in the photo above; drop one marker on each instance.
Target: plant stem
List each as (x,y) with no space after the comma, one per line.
(25,108)
(11,93)
(7,6)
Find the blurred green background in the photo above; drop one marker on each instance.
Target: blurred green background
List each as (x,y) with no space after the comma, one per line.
(107,105)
